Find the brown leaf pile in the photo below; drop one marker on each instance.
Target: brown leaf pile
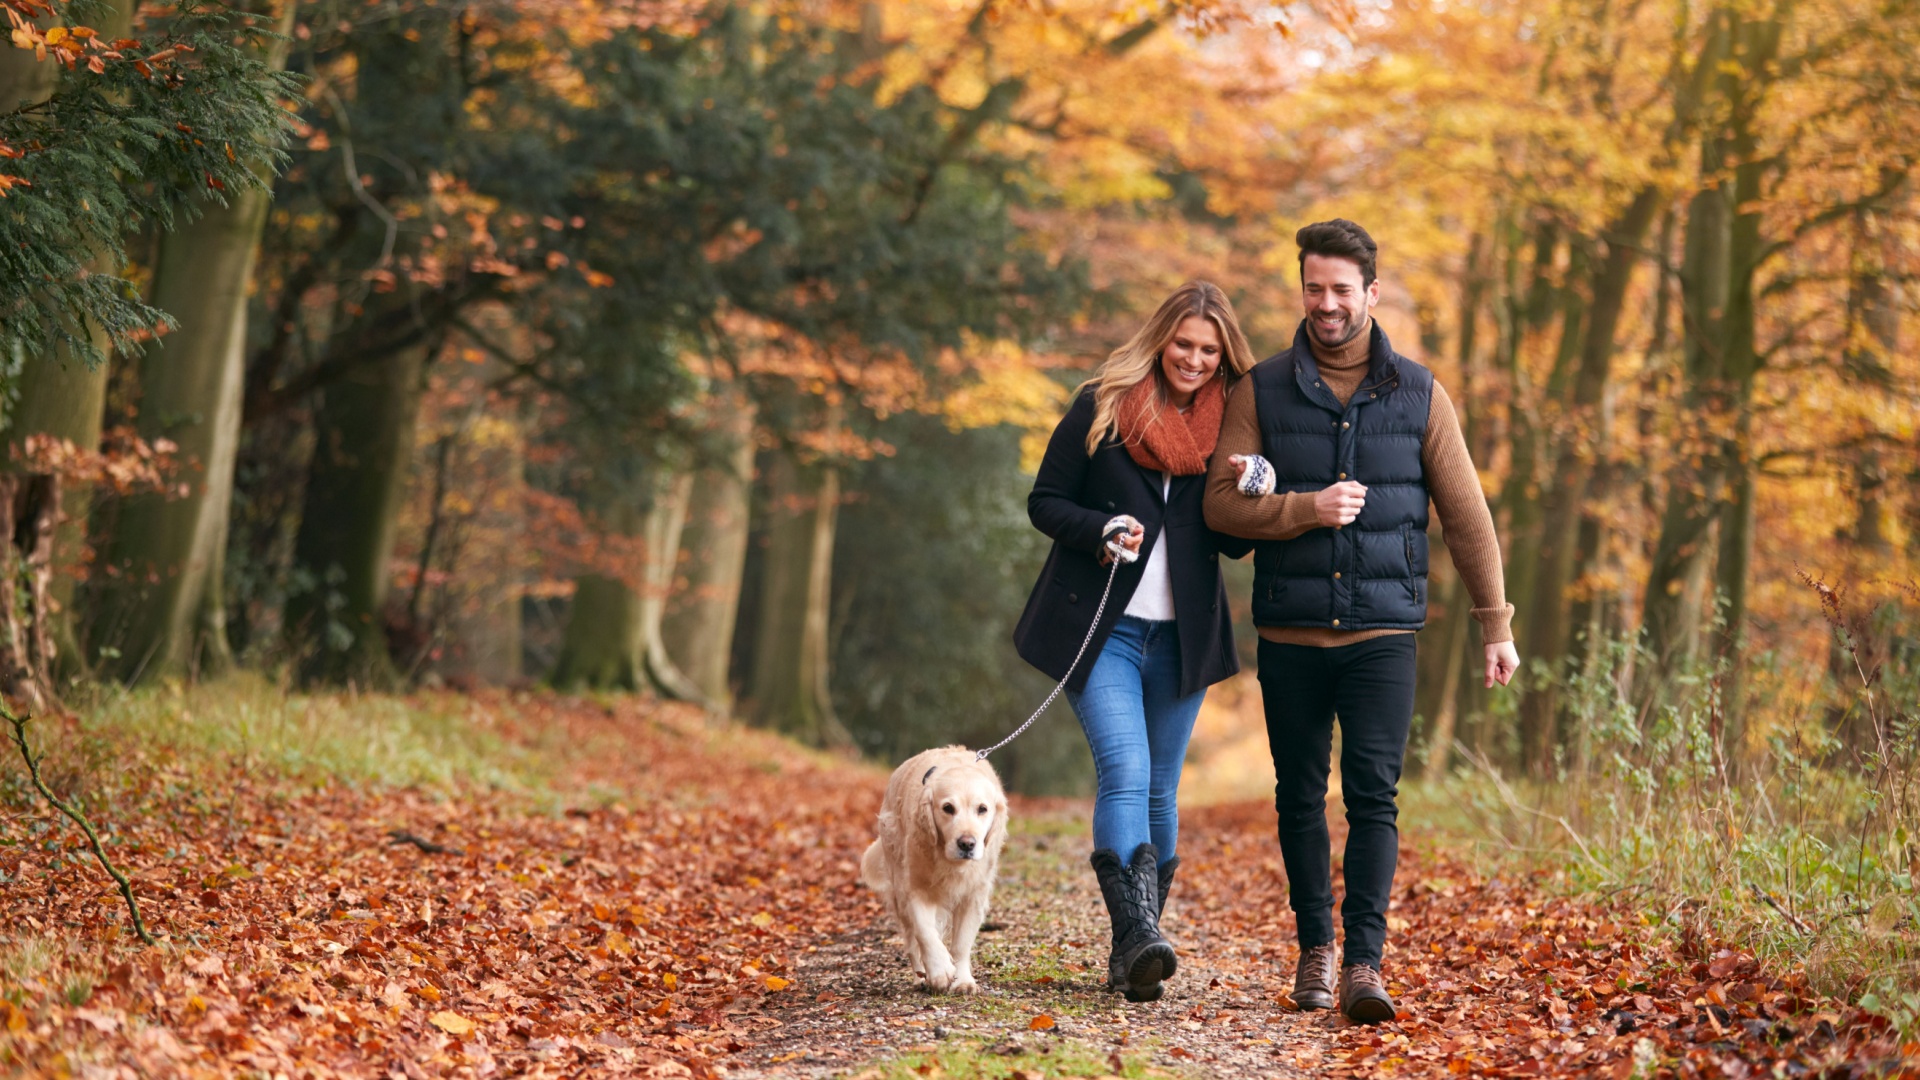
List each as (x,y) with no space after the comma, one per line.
(1495,976)
(305,940)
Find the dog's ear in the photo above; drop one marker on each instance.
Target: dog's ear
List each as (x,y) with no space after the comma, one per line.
(924,821)
(998,834)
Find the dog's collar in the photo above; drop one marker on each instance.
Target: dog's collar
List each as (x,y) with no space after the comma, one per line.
(928,775)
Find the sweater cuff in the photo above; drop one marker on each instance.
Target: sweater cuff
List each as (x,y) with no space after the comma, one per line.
(1297,515)
(1496,624)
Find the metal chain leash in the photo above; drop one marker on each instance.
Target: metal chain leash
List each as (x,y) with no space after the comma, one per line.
(981,755)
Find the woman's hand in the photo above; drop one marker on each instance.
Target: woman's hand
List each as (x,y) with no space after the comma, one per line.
(1340,504)
(1253,476)
(1130,540)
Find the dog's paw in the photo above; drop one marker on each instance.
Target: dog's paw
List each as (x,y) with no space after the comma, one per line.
(940,979)
(963,984)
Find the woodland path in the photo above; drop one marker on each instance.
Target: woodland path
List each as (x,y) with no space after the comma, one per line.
(689,910)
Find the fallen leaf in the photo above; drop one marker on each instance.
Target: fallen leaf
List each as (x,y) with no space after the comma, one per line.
(1040,1023)
(451,1022)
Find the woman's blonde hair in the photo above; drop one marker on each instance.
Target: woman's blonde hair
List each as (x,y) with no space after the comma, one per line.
(1139,358)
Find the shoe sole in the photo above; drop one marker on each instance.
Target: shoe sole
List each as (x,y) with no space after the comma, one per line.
(1370,1010)
(1312,1002)
(1154,965)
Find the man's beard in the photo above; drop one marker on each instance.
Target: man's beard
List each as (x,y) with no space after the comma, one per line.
(1351,327)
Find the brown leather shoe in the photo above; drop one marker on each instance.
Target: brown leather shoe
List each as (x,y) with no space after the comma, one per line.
(1363,995)
(1314,975)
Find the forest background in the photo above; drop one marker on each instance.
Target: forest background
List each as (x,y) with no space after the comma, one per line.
(705,350)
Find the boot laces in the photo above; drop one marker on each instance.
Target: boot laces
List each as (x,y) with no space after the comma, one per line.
(1315,965)
(1361,975)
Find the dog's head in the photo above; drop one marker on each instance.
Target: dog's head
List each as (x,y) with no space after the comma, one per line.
(964,808)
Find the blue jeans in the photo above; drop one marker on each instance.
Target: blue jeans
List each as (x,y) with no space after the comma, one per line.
(1137,726)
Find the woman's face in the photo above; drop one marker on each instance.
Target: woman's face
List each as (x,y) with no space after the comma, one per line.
(1190,359)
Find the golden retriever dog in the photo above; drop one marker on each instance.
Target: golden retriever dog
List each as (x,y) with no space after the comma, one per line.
(941,829)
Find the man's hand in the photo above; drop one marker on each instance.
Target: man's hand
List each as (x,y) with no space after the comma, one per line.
(1339,504)
(1502,661)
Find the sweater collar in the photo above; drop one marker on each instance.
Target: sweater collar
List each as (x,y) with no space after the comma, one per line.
(1382,372)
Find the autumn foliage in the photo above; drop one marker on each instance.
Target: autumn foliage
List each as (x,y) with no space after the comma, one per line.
(701,351)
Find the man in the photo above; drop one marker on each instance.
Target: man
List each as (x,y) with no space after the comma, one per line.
(1327,458)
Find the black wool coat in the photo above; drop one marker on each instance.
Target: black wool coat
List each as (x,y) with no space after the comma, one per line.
(1073,498)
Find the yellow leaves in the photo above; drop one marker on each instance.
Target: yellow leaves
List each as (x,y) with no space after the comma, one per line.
(617,944)
(776,983)
(451,1022)
(427,992)
(12,1017)
(762,919)
(670,981)
(1008,391)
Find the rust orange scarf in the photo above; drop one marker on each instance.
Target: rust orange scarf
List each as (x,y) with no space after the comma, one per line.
(1162,438)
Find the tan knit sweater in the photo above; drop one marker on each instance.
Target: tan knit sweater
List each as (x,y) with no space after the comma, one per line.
(1451,479)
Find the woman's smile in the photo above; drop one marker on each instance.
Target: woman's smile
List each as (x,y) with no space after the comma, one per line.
(1190,359)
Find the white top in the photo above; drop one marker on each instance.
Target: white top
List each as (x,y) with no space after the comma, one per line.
(1154,598)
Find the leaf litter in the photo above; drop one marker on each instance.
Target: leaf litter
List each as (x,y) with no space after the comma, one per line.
(708,923)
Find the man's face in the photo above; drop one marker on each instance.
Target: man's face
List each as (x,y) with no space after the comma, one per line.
(1337,304)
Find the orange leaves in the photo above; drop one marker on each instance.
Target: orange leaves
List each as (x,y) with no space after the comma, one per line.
(451,1022)
(73,45)
(126,462)
(1043,1022)
(1497,977)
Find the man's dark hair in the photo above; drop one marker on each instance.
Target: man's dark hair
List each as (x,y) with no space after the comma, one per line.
(1339,238)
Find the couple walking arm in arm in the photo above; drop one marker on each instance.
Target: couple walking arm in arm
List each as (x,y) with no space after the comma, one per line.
(1323,461)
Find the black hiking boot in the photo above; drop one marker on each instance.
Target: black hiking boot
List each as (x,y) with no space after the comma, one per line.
(1141,958)
(1116,971)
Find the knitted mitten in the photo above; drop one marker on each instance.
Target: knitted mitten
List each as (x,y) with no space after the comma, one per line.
(1258,479)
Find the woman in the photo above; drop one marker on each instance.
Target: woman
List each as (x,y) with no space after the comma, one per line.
(1126,470)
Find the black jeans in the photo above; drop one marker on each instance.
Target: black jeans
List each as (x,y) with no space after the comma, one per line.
(1369,686)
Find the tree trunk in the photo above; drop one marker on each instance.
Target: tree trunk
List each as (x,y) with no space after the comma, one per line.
(163,611)
(613,638)
(29,510)
(1694,482)
(363,443)
(1548,622)
(62,397)
(665,522)
(1759,43)
(603,642)
(1454,631)
(700,620)
(166,550)
(788,689)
